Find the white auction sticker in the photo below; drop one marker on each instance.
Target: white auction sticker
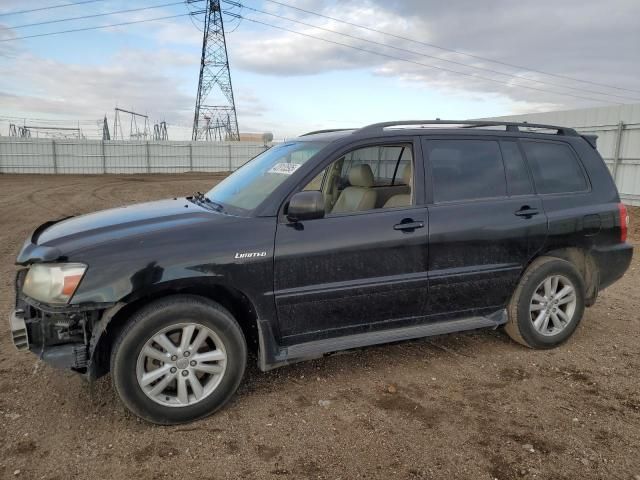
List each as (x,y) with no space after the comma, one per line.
(284,168)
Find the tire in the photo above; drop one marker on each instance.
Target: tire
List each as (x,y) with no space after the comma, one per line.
(217,358)
(524,324)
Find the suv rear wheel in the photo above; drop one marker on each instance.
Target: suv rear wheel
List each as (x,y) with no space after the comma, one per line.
(178,359)
(548,304)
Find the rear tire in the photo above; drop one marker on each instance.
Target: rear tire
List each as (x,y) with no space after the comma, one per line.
(548,304)
(178,359)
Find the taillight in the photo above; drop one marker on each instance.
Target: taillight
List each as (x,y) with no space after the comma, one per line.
(624,222)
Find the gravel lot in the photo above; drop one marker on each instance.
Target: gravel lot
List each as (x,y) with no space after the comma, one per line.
(473,405)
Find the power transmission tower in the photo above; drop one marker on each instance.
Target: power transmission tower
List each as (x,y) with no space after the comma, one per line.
(160,131)
(135,131)
(18,131)
(105,129)
(215,106)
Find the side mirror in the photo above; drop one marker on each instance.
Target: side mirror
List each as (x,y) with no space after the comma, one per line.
(306,206)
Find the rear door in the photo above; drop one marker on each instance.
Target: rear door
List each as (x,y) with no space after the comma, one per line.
(485,222)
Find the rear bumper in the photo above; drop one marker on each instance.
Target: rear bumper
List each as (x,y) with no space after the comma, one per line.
(612,262)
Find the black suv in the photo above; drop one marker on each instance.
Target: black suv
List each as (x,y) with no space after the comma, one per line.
(334,240)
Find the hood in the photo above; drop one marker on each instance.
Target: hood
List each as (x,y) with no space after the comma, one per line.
(53,240)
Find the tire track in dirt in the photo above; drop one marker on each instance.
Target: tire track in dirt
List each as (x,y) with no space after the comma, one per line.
(154,181)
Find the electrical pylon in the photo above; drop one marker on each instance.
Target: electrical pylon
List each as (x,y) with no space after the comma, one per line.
(215,106)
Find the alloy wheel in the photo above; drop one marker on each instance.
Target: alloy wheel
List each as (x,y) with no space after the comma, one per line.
(181,364)
(553,305)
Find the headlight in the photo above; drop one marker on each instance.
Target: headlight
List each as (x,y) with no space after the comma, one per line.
(53,283)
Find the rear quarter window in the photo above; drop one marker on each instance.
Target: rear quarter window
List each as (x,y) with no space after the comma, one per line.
(554,167)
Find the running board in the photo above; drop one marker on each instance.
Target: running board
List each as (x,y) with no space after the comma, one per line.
(315,349)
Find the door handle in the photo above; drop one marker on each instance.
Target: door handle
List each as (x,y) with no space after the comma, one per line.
(408,225)
(527,212)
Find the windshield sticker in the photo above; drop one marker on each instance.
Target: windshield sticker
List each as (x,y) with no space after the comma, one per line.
(284,168)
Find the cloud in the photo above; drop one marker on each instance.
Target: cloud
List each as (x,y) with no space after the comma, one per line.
(597,41)
(132,79)
(277,52)
(155,67)
(8,49)
(248,104)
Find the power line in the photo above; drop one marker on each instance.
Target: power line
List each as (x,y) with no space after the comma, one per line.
(393,57)
(83,17)
(429,56)
(94,28)
(193,14)
(512,65)
(20,12)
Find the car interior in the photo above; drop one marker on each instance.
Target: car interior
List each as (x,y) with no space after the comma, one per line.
(366,179)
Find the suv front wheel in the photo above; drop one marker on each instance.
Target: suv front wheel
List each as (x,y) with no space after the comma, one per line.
(547,305)
(178,359)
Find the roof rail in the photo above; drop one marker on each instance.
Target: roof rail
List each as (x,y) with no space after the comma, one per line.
(510,126)
(328,130)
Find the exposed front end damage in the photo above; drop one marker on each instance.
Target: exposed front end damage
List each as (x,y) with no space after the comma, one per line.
(60,336)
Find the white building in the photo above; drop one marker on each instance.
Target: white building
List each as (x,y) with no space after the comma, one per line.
(618,131)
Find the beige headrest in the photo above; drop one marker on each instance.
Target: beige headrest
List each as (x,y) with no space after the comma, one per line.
(407,174)
(361,176)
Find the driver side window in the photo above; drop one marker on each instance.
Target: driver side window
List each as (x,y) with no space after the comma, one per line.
(367,178)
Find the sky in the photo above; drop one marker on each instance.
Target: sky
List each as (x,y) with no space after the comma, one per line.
(287,83)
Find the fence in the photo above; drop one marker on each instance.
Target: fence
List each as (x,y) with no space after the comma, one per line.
(619,145)
(25,155)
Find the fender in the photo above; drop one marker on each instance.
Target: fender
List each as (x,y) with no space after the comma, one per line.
(235,300)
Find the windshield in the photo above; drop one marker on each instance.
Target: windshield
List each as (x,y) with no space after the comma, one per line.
(252,183)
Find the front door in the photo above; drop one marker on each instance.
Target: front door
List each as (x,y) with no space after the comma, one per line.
(363,266)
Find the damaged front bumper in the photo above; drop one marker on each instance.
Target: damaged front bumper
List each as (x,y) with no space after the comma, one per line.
(52,338)
(19,334)
(58,335)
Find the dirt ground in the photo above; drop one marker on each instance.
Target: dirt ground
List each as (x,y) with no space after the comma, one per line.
(464,406)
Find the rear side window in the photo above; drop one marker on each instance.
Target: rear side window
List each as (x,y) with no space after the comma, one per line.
(515,168)
(554,167)
(466,169)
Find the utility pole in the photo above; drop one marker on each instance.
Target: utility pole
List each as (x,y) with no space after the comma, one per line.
(215,105)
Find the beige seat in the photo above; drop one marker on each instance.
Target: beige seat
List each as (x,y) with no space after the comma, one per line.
(404,199)
(359,196)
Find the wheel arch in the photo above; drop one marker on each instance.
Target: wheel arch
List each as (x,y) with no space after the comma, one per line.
(113,319)
(583,261)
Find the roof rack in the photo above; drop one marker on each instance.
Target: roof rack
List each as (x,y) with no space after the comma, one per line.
(510,126)
(328,130)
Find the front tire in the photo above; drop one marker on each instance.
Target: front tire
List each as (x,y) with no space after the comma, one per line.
(548,304)
(178,359)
